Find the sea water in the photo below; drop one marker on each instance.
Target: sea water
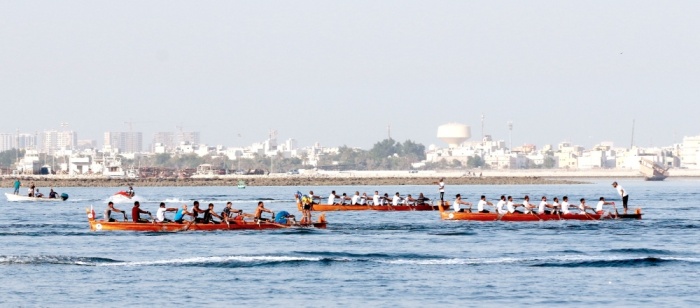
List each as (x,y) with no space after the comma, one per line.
(49,256)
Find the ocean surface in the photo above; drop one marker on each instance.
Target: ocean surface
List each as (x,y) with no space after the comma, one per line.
(49,257)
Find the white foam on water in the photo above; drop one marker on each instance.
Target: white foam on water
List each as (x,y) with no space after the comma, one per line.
(212,260)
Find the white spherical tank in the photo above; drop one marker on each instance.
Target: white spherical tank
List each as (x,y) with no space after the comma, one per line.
(454,133)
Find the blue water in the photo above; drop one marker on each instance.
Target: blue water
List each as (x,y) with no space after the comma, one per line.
(50,258)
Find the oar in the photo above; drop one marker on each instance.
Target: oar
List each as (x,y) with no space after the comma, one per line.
(533,213)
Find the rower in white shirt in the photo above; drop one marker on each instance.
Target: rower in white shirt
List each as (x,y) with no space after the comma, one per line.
(331,197)
(565,205)
(480,207)
(510,206)
(363,199)
(556,207)
(376,199)
(599,206)
(458,202)
(543,205)
(582,207)
(396,200)
(356,198)
(527,207)
(499,206)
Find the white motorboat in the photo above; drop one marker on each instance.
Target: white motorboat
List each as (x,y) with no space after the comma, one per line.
(14,198)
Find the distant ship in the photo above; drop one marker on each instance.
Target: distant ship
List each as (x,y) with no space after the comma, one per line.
(652,171)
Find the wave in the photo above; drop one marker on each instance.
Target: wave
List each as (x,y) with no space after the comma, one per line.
(298,258)
(645,251)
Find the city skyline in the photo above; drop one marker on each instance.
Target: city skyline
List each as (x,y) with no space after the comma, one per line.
(340,73)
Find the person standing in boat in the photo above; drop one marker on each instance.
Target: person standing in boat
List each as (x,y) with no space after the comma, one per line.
(458,202)
(136,212)
(481,206)
(110,209)
(441,189)
(17,185)
(623,193)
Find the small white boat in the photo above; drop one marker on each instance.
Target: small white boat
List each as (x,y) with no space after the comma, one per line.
(14,198)
(123,197)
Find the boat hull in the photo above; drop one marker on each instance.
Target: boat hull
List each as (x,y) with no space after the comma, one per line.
(385,208)
(532,217)
(101,225)
(19,198)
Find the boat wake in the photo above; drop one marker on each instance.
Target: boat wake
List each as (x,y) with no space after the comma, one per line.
(328,258)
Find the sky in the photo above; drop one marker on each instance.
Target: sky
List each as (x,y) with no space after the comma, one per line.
(341,72)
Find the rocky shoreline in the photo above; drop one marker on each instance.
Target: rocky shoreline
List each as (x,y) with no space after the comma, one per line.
(282,181)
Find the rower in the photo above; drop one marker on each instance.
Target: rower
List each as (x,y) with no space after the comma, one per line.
(527,207)
(160,214)
(458,202)
(499,206)
(136,211)
(510,206)
(209,215)
(110,209)
(543,205)
(376,198)
(332,197)
(260,209)
(313,197)
(421,199)
(53,194)
(565,205)
(180,214)
(396,200)
(227,213)
(356,198)
(480,207)
(344,198)
(599,206)
(409,200)
(556,207)
(582,207)
(195,211)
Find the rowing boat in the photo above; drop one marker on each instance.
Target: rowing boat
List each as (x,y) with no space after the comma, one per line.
(357,207)
(451,215)
(15,198)
(102,225)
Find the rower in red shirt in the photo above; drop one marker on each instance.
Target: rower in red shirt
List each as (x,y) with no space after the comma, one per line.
(135,211)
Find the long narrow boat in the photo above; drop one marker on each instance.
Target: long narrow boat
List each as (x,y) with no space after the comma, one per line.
(348,207)
(15,198)
(101,225)
(450,215)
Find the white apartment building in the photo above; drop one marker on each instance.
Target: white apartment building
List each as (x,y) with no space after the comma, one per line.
(690,152)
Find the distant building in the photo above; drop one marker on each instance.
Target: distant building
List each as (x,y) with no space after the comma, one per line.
(85,144)
(191,137)
(164,141)
(126,142)
(690,152)
(52,141)
(8,142)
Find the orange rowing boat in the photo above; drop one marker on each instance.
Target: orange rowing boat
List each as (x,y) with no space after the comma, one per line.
(102,225)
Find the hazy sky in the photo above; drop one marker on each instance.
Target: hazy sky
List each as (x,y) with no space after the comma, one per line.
(339,72)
